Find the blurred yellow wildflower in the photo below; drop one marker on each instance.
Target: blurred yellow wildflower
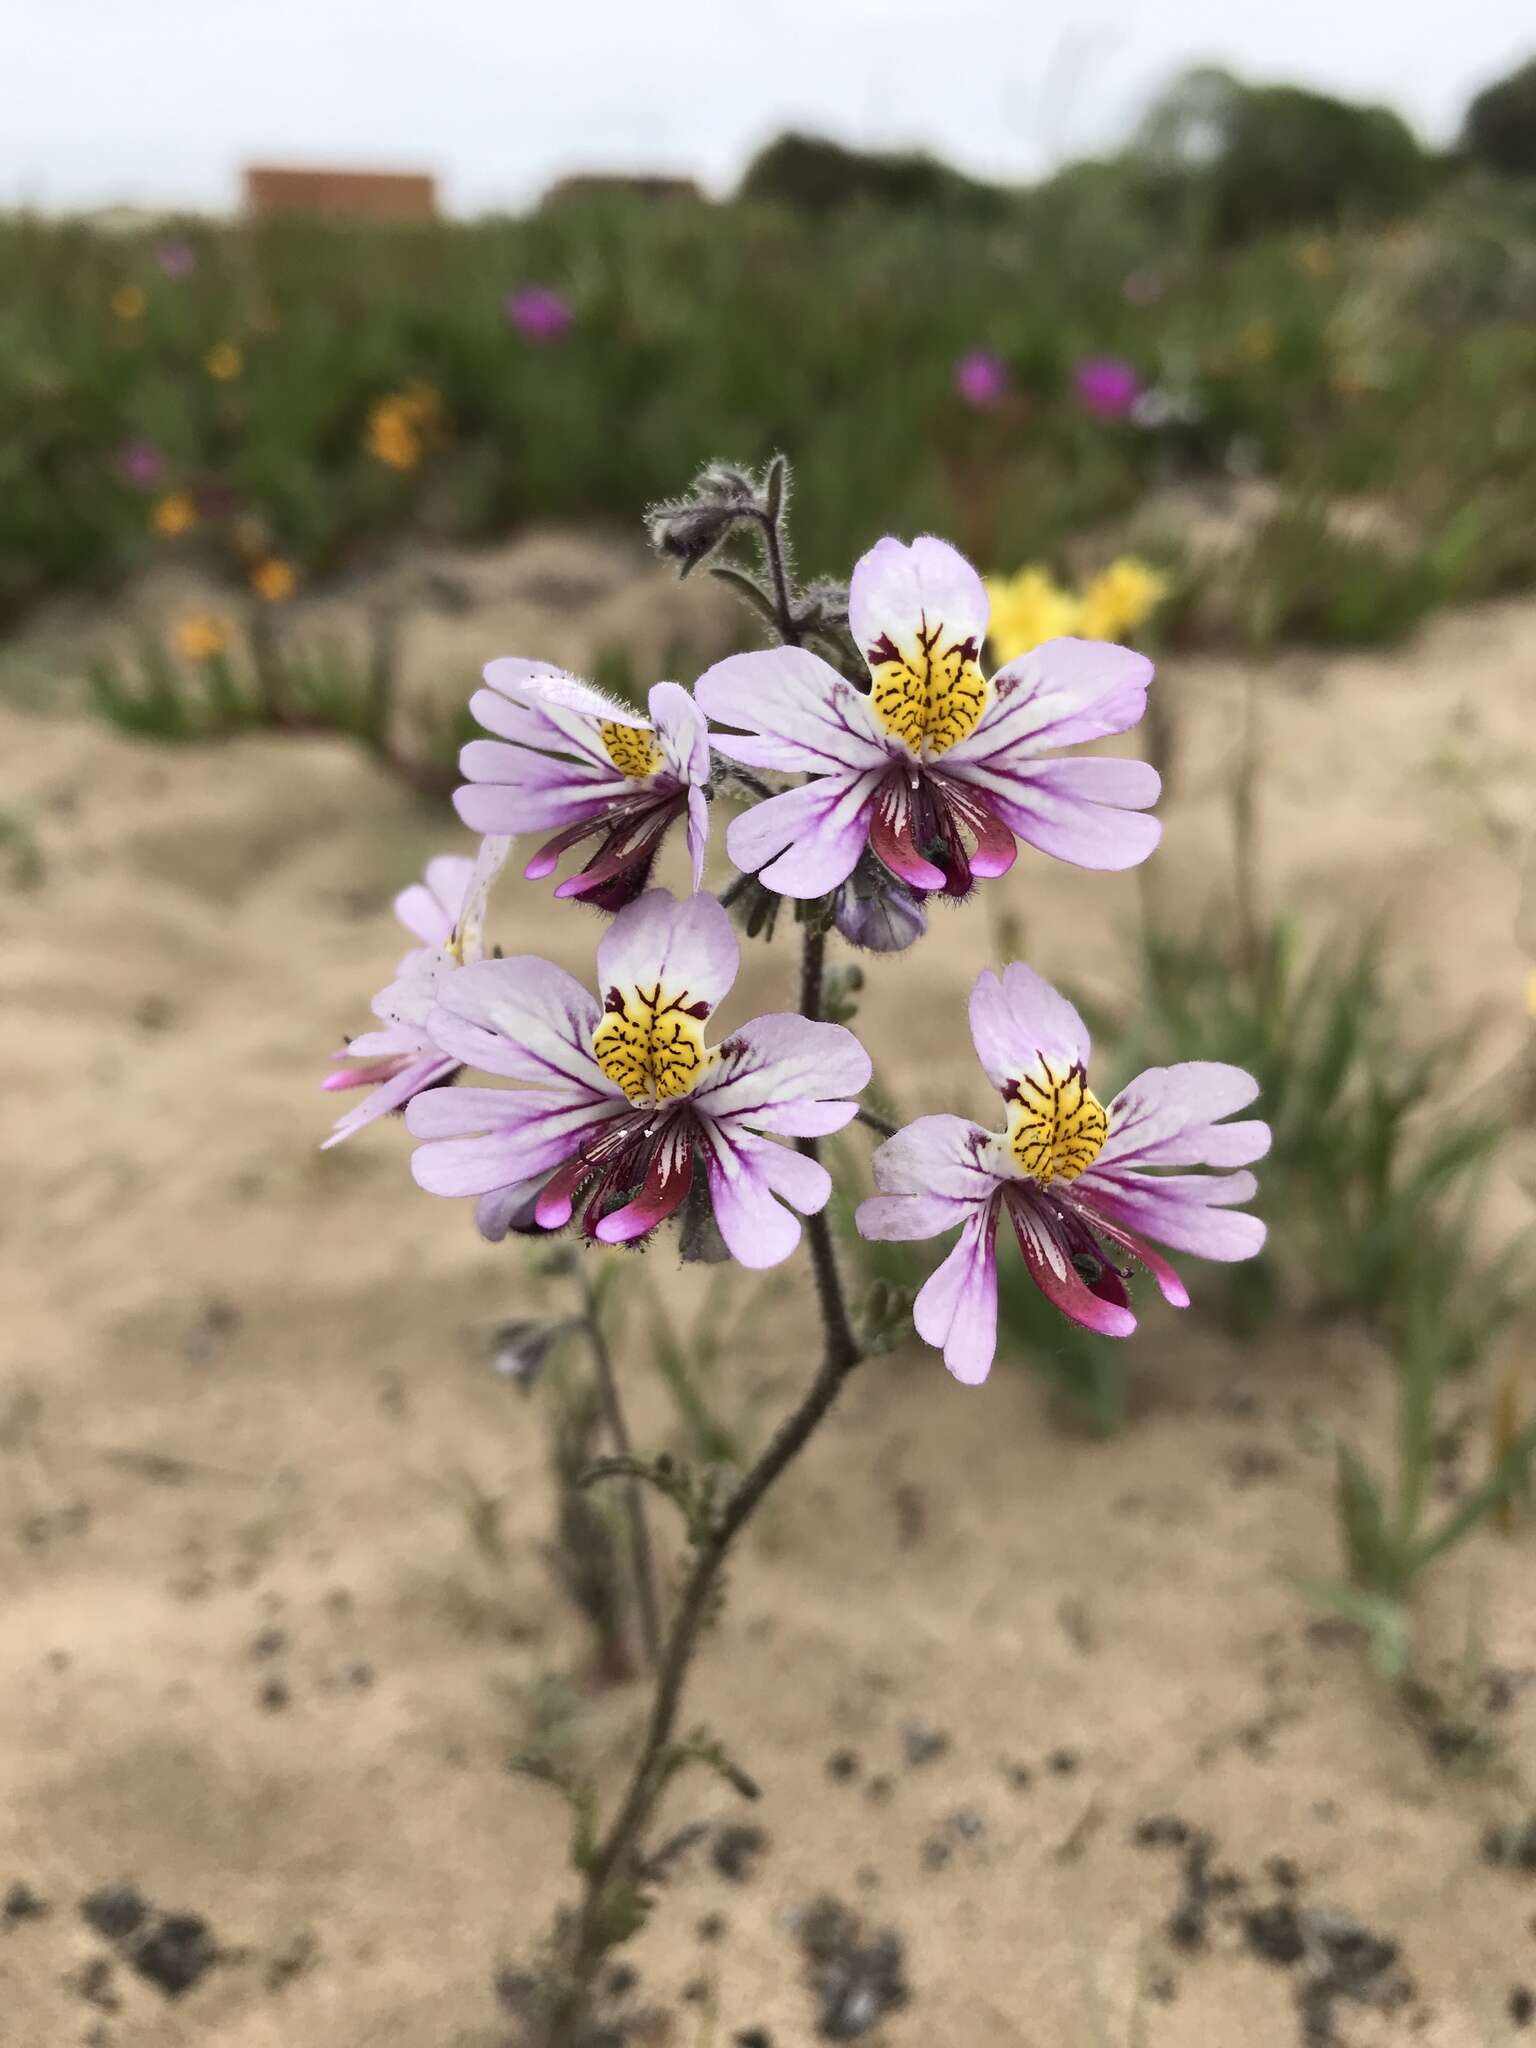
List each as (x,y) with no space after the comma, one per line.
(224,361)
(128,302)
(1120,598)
(173,515)
(401,425)
(1256,342)
(1027,609)
(200,636)
(1315,257)
(274,581)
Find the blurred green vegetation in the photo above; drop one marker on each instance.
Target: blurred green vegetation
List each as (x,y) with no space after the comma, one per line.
(1393,368)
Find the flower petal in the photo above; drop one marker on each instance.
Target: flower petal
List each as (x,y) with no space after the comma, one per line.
(686,945)
(524,1018)
(429,909)
(807,840)
(1191,1212)
(668,1178)
(1018,1020)
(698,834)
(786,1074)
(507,1209)
(897,592)
(1168,1116)
(935,1155)
(393,1094)
(512,789)
(1058,695)
(746,1175)
(1059,810)
(1048,1255)
(482,1139)
(681,732)
(956,1307)
(797,713)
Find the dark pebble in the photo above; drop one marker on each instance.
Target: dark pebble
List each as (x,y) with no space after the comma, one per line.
(1186,1927)
(1063,1762)
(1161,1831)
(274,1696)
(923,1744)
(1522,2006)
(94,1985)
(1020,1777)
(736,1849)
(879,1789)
(361,1677)
(175,1953)
(1281,1871)
(842,1765)
(115,1911)
(753,2037)
(712,1927)
(22,1903)
(695,1991)
(621,1980)
(1274,1933)
(516,1991)
(936,1853)
(967,1823)
(1164,1987)
(270,1643)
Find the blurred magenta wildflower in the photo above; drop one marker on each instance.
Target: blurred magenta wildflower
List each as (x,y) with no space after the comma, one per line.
(176,258)
(936,770)
(568,760)
(626,1105)
(981,378)
(140,463)
(1107,387)
(537,313)
(446,911)
(1078,1182)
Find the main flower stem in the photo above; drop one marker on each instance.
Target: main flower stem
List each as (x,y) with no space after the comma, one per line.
(612,1863)
(641,1558)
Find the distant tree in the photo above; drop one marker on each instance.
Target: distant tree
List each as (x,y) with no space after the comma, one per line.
(1500,128)
(814,175)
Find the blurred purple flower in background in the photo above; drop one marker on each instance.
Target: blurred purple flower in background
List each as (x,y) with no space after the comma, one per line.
(537,313)
(140,463)
(1106,386)
(981,378)
(177,259)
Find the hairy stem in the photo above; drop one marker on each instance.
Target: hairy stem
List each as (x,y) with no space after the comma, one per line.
(641,1559)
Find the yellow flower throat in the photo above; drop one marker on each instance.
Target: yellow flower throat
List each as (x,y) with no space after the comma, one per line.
(631,748)
(651,1045)
(930,694)
(1056,1124)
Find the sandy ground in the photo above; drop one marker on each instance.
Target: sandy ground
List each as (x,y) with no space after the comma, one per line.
(1048,1709)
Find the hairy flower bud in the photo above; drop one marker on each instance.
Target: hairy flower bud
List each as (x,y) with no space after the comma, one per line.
(877,912)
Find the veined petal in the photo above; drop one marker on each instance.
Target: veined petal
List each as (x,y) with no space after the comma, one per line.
(796,713)
(507,1209)
(1191,1212)
(698,833)
(429,909)
(807,840)
(747,1174)
(1058,695)
(686,946)
(1018,1020)
(469,920)
(1168,1116)
(1048,1255)
(897,592)
(402,1088)
(512,789)
(668,1178)
(956,1309)
(1055,814)
(542,706)
(936,1155)
(482,1139)
(785,1073)
(681,732)
(524,1018)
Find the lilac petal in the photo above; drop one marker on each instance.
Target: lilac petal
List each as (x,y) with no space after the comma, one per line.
(1168,1116)
(746,1176)
(801,715)
(538,699)
(482,1139)
(898,592)
(507,1209)
(936,1155)
(784,1073)
(523,1018)
(956,1307)
(1045,810)
(681,733)
(469,926)
(1169,1284)
(1048,1256)
(421,908)
(667,1181)
(511,789)
(1018,1020)
(698,833)
(406,1086)
(685,945)
(808,840)
(1191,1212)
(1058,695)
(393,1041)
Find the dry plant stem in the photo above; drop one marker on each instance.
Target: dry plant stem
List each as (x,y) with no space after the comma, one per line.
(1245,851)
(641,1557)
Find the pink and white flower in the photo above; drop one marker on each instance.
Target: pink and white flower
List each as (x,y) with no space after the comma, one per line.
(446,911)
(622,1107)
(936,769)
(1078,1182)
(568,760)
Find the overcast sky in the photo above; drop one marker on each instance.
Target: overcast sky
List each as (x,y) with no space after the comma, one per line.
(159,102)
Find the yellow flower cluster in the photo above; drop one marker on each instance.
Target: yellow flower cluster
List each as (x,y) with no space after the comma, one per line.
(128,302)
(224,362)
(402,426)
(200,636)
(274,581)
(173,516)
(1031,607)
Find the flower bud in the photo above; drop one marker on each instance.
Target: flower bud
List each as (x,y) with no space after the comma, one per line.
(877,912)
